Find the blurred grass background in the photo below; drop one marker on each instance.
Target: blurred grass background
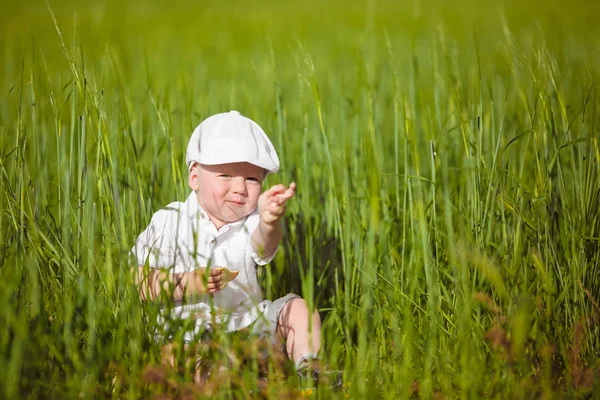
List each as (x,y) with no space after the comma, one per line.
(446,155)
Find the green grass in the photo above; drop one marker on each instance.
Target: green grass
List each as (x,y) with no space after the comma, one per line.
(447,219)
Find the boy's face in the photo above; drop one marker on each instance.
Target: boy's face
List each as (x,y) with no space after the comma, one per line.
(227,192)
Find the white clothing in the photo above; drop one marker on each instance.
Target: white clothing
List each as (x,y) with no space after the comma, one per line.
(181,238)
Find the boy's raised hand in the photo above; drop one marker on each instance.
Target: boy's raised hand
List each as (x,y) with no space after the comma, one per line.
(271,203)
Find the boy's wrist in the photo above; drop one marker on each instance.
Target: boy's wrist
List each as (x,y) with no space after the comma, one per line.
(188,284)
(270,232)
(269,223)
(267,237)
(267,226)
(196,282)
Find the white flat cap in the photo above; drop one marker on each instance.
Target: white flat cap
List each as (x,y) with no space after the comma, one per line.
(230,137)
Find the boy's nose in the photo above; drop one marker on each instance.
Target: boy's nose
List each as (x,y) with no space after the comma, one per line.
(238,185)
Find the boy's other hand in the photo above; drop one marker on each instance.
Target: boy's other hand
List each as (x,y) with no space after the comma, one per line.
(202,282)
(271,204)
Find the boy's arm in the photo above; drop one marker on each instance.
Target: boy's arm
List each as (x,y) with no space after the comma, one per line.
(177,284)
(266,237)
(154,246)
(271,207)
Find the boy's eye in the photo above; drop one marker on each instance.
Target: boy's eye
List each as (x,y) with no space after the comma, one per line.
(253,179)
(224,176)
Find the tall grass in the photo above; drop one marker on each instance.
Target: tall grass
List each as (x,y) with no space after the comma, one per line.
(446,223)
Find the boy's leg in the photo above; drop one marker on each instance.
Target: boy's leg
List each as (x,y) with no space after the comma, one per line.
(300,329)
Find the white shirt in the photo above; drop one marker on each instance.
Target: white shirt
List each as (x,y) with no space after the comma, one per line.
(181,237)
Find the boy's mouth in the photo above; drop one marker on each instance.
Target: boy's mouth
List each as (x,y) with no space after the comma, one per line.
(237,202)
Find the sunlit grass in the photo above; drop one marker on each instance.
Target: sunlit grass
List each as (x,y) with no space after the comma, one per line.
(446,221)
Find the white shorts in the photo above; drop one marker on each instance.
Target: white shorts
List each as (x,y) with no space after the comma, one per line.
(266,324)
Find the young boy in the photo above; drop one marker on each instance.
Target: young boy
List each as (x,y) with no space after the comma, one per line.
(226,222)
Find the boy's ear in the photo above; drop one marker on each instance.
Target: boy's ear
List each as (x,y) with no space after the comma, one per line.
(193,177)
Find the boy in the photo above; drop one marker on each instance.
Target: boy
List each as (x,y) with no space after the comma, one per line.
(226,222)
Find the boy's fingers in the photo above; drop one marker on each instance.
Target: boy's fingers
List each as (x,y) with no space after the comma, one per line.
(283,197)
(279,200)
(280,189)
(291,190)
(288,194)
(214,280)
(214,287)
(276,189)
(216,274)
(276,208)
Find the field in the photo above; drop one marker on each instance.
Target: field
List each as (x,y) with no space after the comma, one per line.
(446,223)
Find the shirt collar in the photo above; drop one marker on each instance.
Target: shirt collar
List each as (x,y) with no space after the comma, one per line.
(193,208)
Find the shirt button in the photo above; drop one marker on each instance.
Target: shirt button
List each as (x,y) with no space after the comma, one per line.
(201,215)
(213,240)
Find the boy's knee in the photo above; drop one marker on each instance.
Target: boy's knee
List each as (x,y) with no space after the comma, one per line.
(296,315)
(299,305)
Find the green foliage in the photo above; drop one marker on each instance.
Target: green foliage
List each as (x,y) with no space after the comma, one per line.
(446,223)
